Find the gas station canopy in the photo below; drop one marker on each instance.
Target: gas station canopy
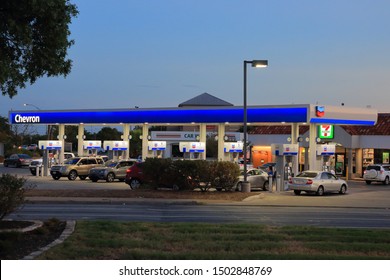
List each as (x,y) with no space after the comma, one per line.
(305,113)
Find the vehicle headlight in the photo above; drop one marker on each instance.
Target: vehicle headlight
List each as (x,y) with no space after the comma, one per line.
(63,169)
(102,172)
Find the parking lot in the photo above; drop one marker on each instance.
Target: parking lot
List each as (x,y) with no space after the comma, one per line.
(359,194)
(48,182)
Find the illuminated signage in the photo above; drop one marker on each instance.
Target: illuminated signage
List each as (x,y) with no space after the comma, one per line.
(323,150)
(320,111)
(157,145)
(326,131)
(27,119)
(92,144)
(233,147)
(192,147)
(173,115)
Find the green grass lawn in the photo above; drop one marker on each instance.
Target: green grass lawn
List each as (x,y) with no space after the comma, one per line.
(109,240)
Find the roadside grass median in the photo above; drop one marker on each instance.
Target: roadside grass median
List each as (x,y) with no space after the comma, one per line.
(109,240)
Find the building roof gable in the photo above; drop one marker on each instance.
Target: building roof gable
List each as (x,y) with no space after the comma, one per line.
(205,99)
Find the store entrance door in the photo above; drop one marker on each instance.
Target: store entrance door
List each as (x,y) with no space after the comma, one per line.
(340,165)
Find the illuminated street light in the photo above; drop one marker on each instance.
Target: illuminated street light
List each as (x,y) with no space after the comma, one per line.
(258,64)
(32,105)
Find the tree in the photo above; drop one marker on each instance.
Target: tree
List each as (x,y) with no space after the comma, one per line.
(33,41)
(109,133)
(12,193)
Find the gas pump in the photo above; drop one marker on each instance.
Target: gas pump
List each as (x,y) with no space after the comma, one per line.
(46,146)
(90,147)
(116,149)
(192,150)
(325,157)
(285,155)
(233,149)
(157,148)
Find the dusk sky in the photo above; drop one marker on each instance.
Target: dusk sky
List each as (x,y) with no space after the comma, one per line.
(153,53)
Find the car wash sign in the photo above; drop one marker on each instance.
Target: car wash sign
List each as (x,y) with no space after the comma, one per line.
(326,131)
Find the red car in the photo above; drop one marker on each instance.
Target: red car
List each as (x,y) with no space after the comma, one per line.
(134,175)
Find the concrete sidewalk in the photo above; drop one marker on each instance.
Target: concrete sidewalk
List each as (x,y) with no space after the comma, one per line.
(378,198)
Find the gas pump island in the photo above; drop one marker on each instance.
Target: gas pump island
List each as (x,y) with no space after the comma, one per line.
(116,149)
(91,146)
(46,146)
(157,148)
(286,159)
(233,150)
(192,150)
(325,157)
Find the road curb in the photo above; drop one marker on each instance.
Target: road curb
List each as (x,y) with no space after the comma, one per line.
(69,229)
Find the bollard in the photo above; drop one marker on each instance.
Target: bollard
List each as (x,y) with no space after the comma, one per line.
(245,187)
(278,182)
(270,184)
(37,171)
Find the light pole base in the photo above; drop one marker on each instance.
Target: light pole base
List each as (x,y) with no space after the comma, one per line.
(245,187)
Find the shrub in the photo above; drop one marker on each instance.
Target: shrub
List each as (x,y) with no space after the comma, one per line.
(12,193)
(160,171)
(191,174)
(225,175)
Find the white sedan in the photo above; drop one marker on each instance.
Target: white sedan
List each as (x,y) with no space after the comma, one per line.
(317,182)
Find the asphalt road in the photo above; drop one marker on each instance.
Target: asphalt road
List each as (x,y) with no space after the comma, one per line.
(210,213)
(363,207)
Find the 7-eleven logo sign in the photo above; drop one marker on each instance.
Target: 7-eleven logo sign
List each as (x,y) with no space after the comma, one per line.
(326,131)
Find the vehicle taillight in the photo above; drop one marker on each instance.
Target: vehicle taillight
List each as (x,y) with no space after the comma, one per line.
(290,180)
(309,182)
(128,170)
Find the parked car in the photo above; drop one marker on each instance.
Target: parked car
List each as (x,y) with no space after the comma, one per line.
(111,170)
(34,164)
(38,163)
(18,160)
(318,182)
(377,173)
(32,147)
(241,164)
(75,167)
(135,176)
(266,166)
(257,178)
(105,158)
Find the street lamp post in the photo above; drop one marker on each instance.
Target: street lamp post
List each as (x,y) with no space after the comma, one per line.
(259,64)
(32,105)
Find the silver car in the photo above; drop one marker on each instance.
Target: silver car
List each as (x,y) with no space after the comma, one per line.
(257,178)
(377,173)
(111,170)
(317,182)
